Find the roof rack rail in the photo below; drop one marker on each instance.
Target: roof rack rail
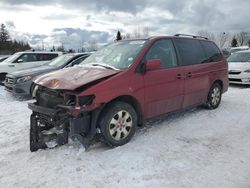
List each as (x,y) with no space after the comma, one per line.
(193,36)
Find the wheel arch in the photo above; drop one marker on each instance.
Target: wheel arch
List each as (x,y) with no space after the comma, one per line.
(3,73)
(2,76)
(220,82)
(130,100)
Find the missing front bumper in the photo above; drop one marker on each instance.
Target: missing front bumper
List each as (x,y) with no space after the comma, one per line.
(83,127)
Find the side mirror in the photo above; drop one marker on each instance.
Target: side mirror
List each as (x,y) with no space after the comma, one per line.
(19,60)
(153,64)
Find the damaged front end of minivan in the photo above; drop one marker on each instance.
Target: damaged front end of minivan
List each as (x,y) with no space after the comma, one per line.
(61,111)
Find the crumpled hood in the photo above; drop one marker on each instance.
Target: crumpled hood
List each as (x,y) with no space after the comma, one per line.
(73,77)
(238,66)
(33,71)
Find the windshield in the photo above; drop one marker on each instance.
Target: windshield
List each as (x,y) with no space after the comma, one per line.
(118,55)
(12,58)
(239,57)
(61,60)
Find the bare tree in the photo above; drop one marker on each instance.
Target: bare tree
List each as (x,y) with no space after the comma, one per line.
(222,38)
(92,45)
(127,36)
(139,32)
(209,35)
(60,48)
(242,38)
(145,31)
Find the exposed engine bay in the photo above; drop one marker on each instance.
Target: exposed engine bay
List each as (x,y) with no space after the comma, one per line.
(55,117)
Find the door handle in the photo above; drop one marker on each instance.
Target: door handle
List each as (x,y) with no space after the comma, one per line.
(179,76)
(11,65)
(189,74)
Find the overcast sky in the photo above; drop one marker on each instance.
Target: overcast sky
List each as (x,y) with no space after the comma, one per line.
(73,22)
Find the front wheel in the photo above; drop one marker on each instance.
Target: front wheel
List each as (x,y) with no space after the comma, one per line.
(118,123)
(214,96)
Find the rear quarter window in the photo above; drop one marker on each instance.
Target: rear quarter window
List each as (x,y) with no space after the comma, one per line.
(190,51)
(213,54)
(48,57)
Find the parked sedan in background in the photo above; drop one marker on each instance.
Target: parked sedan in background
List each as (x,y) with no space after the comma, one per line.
(239,67)
(20,82)
(24,60)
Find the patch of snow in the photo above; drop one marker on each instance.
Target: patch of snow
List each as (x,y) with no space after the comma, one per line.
(194,148)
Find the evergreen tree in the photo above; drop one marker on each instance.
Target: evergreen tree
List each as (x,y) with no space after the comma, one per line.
(8,46)
(4,35)
(118,36)
(248,42)
(234,42)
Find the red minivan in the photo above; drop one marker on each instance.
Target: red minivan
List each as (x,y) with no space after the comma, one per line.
(123,84)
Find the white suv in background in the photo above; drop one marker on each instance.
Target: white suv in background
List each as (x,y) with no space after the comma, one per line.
(24,60)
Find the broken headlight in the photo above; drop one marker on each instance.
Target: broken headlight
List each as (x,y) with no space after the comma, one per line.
(86,100)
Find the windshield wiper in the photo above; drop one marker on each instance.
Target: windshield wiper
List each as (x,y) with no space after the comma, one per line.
(104,65)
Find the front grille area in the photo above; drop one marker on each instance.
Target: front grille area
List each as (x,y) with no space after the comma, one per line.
(235,80)
(234,72)
(9,80)
(49,99)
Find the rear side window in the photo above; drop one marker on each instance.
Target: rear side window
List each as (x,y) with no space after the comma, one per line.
(163,50)
(213,53)
(190,51)
(48,57)
(32,57)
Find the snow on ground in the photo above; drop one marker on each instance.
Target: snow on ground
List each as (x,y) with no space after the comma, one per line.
(195,148)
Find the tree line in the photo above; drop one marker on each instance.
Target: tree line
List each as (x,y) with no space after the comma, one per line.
(9,46)
(227,39)
(222,39)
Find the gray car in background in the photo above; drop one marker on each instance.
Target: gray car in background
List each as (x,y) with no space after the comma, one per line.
(21,82)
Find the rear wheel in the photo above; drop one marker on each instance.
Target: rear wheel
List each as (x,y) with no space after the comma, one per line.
(214,96)
(118,123)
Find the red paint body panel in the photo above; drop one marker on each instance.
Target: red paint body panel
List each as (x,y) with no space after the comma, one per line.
(156,91)
(164,91)
(73,77)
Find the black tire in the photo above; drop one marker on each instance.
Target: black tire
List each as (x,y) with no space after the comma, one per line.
(128,124)
(214,96)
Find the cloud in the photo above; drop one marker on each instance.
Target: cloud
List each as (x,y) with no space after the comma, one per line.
(129,6)
(73,21)
(59,16)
